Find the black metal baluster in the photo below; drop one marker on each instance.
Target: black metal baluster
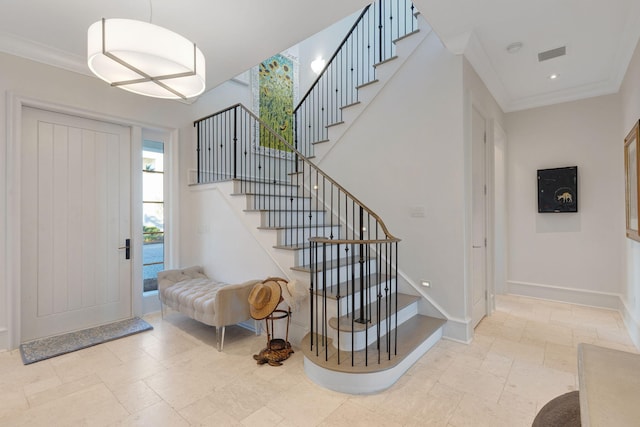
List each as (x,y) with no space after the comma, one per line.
(325,320)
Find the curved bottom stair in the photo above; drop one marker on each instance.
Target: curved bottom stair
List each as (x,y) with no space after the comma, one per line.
(334,370)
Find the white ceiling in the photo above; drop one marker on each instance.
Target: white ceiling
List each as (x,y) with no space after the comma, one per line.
(600,37)
(234,35)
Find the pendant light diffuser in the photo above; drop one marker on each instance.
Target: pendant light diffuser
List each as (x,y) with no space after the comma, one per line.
(146,59)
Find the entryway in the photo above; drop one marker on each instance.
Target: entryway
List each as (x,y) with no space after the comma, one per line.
(75,185)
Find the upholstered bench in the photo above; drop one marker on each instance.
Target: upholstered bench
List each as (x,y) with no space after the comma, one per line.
(190,292)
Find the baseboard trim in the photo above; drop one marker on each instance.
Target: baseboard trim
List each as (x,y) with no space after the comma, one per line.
(4,339)
(633,328)
(150,302)
(458,330)
(568,295)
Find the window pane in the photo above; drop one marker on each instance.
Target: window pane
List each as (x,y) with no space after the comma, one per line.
(152,156)
(150,274)
(153,216)
(152,187)
(153,213)
(153,253)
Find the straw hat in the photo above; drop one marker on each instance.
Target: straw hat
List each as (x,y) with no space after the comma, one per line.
(264,299)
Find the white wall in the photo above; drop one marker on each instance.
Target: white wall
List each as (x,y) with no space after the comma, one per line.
(215,238)
(406,151)
(323,44)
(630,100)
(574,257)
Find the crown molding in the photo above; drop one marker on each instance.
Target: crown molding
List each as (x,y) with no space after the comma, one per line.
(45,54)
(478,58)
(591,90)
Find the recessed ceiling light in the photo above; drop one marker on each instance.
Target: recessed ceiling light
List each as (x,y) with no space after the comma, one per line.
(514,47)
(553,76)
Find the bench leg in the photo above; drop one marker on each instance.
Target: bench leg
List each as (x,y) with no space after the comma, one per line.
(220,337)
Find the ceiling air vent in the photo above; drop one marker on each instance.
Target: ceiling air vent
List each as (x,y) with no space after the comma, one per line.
(553,53)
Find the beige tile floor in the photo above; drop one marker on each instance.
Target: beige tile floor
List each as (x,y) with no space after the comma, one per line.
(522,356)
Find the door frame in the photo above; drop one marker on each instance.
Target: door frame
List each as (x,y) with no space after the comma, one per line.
(15,105)
(474,103)
(485,213)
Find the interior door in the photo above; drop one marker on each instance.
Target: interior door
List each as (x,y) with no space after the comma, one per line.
(479,229)
(75,205)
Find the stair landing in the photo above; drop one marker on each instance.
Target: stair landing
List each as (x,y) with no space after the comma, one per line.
(415,337)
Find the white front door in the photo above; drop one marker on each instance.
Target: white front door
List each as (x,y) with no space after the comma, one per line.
(75,207)
(479,233)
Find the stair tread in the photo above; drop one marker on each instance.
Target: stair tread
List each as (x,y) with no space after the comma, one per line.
(341,262)
(320,142)
(367,83)
(297,247)
(287,210)
(263,181)
(334,124)
(411,334)
(353,104)
(385,61)
(270,195)
(416,31)
(298,227)
(294,247)
(346,287)
(345,323)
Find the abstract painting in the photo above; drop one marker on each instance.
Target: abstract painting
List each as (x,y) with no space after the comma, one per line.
(275,93)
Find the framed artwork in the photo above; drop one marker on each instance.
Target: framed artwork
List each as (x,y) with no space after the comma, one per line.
(631,165)
(275,93)
(558,189)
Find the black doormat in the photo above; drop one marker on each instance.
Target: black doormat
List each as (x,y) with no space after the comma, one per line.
(46,348)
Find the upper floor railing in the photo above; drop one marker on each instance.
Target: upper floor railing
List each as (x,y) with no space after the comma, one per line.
(369,42)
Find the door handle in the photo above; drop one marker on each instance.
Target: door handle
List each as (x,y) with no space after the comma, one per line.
(476,247)
(127,247)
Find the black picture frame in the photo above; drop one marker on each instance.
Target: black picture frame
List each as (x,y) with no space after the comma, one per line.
(558,190)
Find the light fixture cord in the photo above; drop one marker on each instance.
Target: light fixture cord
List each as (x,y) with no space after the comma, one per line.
(150,12)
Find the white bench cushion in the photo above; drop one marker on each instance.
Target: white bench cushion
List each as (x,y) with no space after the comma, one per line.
(194,298)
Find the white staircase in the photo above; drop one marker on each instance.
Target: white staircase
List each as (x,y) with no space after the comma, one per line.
(361,350)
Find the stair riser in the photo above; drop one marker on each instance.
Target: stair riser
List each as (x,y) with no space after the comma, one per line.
(337,275)
(269,202)
(345,305)
(276,218)
(301,236)
(333,252)
(258,165)
(363,339)
(348,294)
(302,256)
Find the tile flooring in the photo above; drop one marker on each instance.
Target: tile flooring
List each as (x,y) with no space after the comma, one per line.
(522,356)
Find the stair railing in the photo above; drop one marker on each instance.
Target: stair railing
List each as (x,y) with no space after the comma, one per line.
(311,211)
(369,42)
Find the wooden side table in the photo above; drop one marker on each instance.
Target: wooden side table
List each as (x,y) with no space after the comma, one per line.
(609,386)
